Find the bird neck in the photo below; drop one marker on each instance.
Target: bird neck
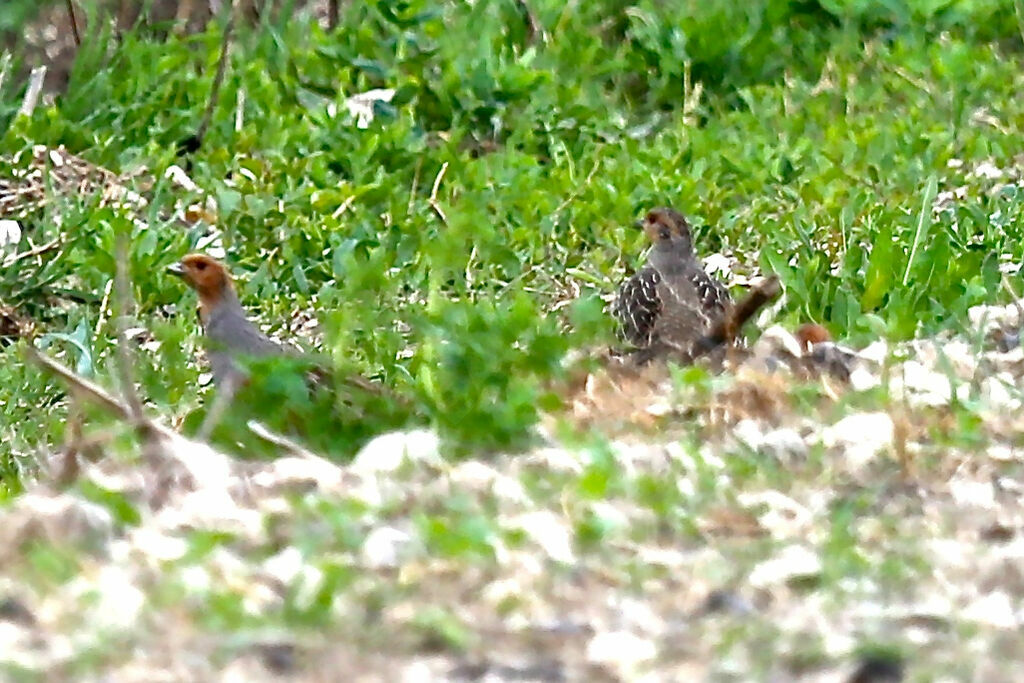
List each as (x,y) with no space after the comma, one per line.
(211,301)
(670,257)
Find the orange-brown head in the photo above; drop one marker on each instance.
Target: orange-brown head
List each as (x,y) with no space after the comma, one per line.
(667,228)
(208,277)
(809,334)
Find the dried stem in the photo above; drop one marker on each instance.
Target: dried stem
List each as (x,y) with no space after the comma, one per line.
(194,142)
(94,393)
(125,361)
(35,87)
(281,441)
(35,251)
(333,10)
(78,385)
(433,194)
(74,24)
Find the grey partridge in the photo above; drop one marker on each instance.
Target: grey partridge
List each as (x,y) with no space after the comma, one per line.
(228,329)
(671,303)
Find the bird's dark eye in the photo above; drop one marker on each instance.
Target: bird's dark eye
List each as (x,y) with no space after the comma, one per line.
(200,266)
(664,233)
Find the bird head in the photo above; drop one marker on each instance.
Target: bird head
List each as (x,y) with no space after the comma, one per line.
(667,228)
(207,276)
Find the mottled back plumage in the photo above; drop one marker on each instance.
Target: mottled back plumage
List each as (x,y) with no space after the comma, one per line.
(670,302)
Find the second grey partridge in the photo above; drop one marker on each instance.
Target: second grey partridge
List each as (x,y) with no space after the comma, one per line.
(669,304)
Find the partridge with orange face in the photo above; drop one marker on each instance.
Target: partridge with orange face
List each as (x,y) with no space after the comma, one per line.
(312,413)
(229,331)
(670,303)
(232,335)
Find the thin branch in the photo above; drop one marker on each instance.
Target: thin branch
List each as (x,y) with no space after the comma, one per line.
(469,268)
(90,391)
(125,361)
(415,185)
(1016,300)
(78,385)
(74,24)
(69,464)
(240,111)
(1018,8)
(345,205)
(281,441)
(194,142)
(35,251)
(103,307)
(333,10)
(218,78)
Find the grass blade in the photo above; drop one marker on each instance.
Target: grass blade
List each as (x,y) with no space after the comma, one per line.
(924,222)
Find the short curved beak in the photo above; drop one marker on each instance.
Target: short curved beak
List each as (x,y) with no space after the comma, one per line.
(176,270)
(639,225)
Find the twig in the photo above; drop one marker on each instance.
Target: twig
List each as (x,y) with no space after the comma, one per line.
(74,24)
(161,445)
(281,441)
(218,77)
(182,16)
(349,201)
(924,221)
(469,267)
(70,467)
(94,393)
(35,251)
(918,83)
(123,8)
(1016,300)
(35,86)
(103,307)
(194,142)
(78,385)
(125,362)
(1018,10)
(333,10)
(433,194)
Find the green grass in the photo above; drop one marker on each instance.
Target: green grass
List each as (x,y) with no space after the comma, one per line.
(807,138)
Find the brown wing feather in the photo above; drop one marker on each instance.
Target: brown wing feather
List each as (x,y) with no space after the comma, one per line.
(638,306)
(714,297)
